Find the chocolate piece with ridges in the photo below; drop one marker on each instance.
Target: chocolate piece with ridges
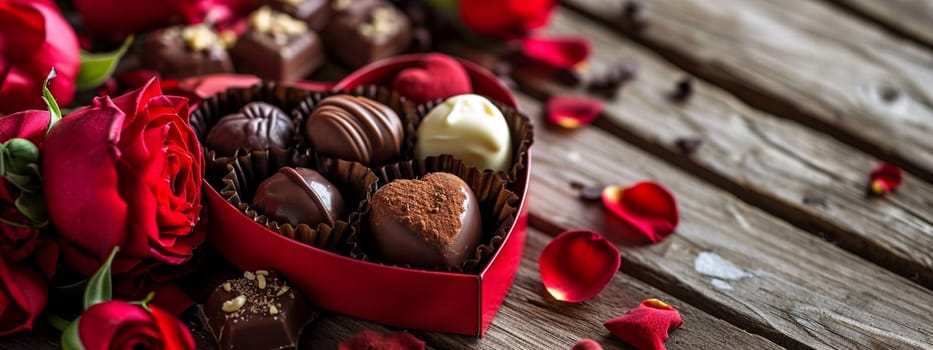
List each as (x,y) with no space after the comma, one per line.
(355,128)
(258,125)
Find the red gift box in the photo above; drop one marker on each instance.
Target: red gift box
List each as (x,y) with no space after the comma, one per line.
(408,298)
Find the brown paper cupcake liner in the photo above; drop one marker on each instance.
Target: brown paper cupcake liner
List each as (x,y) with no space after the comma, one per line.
(404,108)
(222,104)
(521,132)
(356,183)
(498,208)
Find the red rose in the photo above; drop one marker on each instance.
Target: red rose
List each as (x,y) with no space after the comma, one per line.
(125,172)
(26,263)
(118,18)
(121,325)
(33,38)
(506,19)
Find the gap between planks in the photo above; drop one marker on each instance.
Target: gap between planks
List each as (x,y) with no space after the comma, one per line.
(807,179)
(800,292)
(908,19)
(797,73)
(530,319)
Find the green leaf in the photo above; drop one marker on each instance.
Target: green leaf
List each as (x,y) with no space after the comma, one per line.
(55,113)
(98,67)
(70,338)
(22,182)
(32,206)
(99,287)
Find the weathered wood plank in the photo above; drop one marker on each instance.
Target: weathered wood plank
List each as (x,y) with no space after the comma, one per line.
(795,173)
(530,319)
(911,18)
(805,61)
(797,290)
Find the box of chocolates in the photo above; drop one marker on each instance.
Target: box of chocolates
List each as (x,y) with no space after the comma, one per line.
(411,215)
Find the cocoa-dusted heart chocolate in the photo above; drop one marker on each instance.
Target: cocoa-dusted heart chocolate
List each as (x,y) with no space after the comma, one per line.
(427,223)
(436,76)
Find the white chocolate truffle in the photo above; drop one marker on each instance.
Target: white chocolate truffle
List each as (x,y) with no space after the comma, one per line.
(470,128)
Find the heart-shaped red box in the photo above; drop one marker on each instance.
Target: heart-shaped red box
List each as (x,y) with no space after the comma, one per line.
(402,297)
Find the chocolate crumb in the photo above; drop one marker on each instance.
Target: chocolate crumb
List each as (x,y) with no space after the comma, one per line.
(591,193)
(683,90)
(688,145)
(568,77)
(613,78)
(633,15)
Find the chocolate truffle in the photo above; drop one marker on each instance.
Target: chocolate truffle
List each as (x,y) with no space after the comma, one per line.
(277,47)
(428,223)
(258,311)
(315,13)
(470,128)
(185,51)
(258,125)
(364,31)
(355,128)
(299,196)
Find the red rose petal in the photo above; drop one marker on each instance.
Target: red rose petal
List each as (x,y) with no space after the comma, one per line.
(647,207)
(576,265)
(573,112)
(646,326)
(368,339)
(885,178)
(587,344)
(556,53)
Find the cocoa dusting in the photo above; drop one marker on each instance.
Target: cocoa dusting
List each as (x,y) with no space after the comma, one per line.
(431,206)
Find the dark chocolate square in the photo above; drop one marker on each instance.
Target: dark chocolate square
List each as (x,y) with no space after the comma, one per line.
(181,52)
(365,31)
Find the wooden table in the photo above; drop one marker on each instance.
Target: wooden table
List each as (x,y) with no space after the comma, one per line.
(796,102)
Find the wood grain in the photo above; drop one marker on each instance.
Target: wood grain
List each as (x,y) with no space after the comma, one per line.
(911,18)
(796,173)
(806,61)
(801,292)
(530,319)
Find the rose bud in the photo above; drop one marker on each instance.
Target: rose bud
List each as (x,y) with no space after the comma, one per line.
(33,38)
(125,172)
(121,325)
(119,18)
(505,19)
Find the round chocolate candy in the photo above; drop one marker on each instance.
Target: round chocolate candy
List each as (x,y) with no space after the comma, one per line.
(470,128)
(355,128)
(427,223)
(258,125)
(299,196)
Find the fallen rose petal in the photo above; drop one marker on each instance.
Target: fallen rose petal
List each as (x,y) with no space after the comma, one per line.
(647,207)
(646,326)
(576,265)
(587,344)
(556,53)
(573,112)
(885,178)
(368,339)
